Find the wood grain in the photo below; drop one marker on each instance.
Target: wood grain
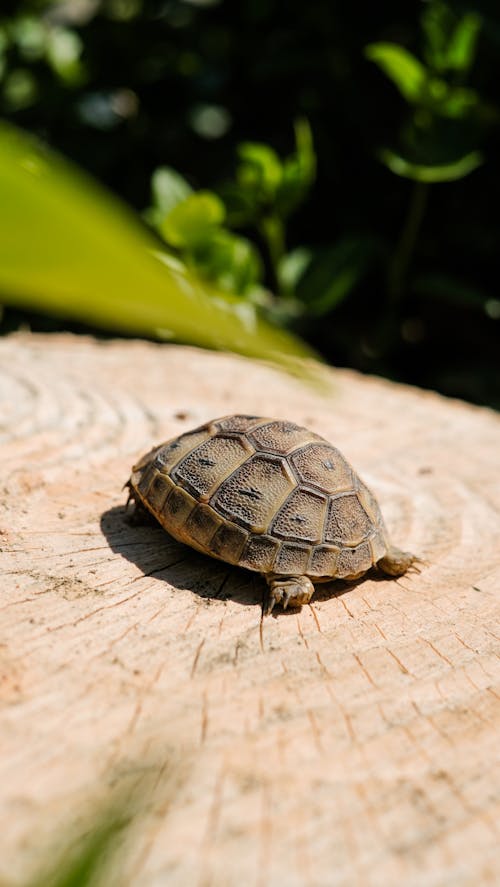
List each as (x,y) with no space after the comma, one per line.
(352,743)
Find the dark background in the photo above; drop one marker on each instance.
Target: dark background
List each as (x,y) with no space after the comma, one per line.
(152,68)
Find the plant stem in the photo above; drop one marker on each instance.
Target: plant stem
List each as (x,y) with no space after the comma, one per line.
(405,248)
(273,231)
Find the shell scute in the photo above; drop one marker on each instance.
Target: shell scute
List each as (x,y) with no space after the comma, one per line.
(301,517)
(236,423)
(259,553)
(168,455)
(228,543)
(202,524)
(159,489)
(251,495)
(354,561)
(347,522)
(281,437)
(369,503)
(324,467)
(177,508)
(378,546)
(200,471)
(324,560)
(292,559)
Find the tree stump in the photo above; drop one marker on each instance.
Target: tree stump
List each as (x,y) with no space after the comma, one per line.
(352,743)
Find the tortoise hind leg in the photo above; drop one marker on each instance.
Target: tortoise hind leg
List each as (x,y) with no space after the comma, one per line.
(138,515)
(288,590)
(396,562)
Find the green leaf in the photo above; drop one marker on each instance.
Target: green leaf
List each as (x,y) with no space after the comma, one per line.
(455,102)
(232,262)
(192,221)
(299,171)
(259,169)
(334,272)
(462,46)
(304,144)
(69,249)
(30,36)
(292,267)
(241,205)
(89,864)
(451,42)
(450,289)
(437,22)
(447,172)
(168,188)
(64,48)
(405,71)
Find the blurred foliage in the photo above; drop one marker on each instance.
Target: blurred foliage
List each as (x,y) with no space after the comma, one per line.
(263,193)
(379,244)
(68,248)
(93,860)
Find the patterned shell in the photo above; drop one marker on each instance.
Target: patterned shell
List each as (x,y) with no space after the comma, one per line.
(264,494)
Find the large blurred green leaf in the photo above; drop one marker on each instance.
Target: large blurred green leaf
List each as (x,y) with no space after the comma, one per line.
(68,248)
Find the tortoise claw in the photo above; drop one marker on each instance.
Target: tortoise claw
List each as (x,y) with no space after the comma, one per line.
(289,591)
(270,605)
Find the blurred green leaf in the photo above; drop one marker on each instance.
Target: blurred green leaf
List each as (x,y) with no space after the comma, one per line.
(462,46)
(292,267)
(20,89)
(419,86)
(298,172)
(64,49)
(69,249)
(447,172)
(437,22)
(452,101)
(332,273)
(268,189)
(405,71)
(259,169)
(450,41)
(231,261)
(192,221)
(30,36)
(241,204)
(450,289)
(88,864)
(168,188)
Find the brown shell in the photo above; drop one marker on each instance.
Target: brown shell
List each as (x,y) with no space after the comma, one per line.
(265,494)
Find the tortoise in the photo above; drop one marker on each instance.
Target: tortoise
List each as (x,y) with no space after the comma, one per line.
(270,496)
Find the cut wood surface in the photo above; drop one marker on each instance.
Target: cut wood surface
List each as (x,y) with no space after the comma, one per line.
(352,743)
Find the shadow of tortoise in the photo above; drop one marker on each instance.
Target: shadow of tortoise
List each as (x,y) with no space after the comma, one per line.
(155,553)
(139,538)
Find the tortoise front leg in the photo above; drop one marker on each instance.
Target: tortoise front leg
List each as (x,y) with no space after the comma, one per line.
(288,590)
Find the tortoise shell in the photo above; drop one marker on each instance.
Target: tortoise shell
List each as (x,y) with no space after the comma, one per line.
(264,494)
